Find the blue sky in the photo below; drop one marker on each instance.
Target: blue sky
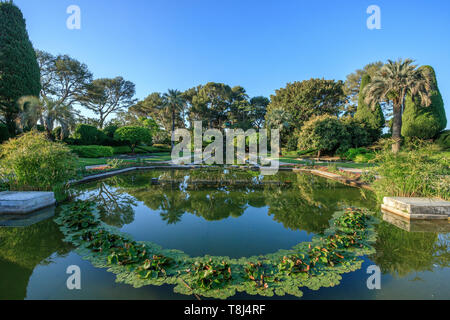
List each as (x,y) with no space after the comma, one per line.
(258,44)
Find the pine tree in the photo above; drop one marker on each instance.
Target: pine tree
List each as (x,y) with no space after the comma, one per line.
(372,120)
(424,122)
(19,70)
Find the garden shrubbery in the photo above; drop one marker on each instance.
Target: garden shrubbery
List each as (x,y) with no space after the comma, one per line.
(31,162)
(443,140)
(133,136)
(92,151)
(88,135)
(329,134)
(4,133)
(412,173)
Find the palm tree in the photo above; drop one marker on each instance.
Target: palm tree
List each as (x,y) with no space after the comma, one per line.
(174,102)
(391,84)
(52,112)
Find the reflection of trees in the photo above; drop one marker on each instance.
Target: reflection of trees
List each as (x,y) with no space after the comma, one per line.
(115,206)
(21,250)
(217,204)
(307,204)
(310,204)
(400,252)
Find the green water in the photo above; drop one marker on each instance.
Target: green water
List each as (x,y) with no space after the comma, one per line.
(246,215)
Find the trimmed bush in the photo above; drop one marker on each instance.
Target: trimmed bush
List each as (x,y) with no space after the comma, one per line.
(92,151)
(424,122)
(31,162)
(4,133)
(372,120)
(88,135)
(133,136)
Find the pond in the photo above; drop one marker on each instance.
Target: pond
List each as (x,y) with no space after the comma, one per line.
(220,213)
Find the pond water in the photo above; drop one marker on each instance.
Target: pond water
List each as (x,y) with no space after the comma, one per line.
(223,213)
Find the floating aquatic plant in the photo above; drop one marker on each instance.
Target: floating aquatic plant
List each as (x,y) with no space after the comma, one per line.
(313,265)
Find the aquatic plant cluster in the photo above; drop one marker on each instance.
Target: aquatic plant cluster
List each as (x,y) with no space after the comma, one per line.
(313,265)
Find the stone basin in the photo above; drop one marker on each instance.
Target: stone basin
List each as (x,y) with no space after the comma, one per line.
(24,202)
(417,208)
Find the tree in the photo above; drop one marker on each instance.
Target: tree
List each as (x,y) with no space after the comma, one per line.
(175,104)
(258,110)
(212,103)
(133,136)
(64,80)
(372,119)
(153,107)
(298,102)
(323,133)
(352,85)
(19,70)
(392,84)
(424,122)
(107,96)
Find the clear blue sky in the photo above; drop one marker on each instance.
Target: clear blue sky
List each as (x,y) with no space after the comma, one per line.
(258,44)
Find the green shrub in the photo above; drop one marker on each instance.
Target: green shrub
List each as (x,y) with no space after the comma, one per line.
(352,153)
(443,140)
(4,133)
(324,133)
(424,122)
(133,136)
(31,162)
(419,172)
(92,151)
(89,135)
(364,158)
(359,134)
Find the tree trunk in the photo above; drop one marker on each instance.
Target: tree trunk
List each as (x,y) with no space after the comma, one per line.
(397,128)
(173,126)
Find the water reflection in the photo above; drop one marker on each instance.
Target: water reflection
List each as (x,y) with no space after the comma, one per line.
(21,250)
(304,203)
(301,202)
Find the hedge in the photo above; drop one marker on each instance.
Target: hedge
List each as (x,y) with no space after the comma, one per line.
(92,151)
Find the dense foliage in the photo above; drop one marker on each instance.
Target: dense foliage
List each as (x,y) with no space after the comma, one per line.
(298,102)
(88,135)
(31,162)
(419,172)
(443,140)
(92,151)
(424,122)
(322,133)
(19,70)
(133,136)
(4,132)
(371,118)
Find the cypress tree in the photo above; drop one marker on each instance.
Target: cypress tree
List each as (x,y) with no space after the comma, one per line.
(372,120)
(19,70)
(424,122)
